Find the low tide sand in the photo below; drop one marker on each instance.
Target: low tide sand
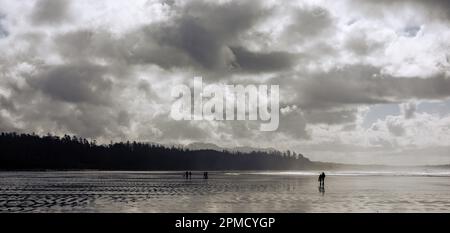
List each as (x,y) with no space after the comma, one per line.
(223,192)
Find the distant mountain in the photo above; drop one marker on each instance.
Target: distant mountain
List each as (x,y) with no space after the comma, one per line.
(203,146)
(212,146)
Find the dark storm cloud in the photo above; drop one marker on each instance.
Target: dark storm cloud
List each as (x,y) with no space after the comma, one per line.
(199,35)
(154,44)
(6,103)
(5,125)
(77,83)
(442,6)
(84,43)
(262,61)
(56,100)
(147,89)
(207,36)
(332,97)
(307,23)
(362,85)
(51,12)
(92,121)
(335,88)
(398,89)
(202,35)
(89,45)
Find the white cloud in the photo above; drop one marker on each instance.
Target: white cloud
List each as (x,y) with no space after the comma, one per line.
(333,61)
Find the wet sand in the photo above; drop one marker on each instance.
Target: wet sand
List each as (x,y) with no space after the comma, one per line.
(222,192)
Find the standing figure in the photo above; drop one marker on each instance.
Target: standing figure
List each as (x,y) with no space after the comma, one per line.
(322,179)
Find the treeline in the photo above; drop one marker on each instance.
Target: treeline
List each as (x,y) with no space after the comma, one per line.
(34,152)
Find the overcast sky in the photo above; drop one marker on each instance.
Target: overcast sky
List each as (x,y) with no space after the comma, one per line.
(360,81)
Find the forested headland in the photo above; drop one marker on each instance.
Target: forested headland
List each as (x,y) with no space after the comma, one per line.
(50,152)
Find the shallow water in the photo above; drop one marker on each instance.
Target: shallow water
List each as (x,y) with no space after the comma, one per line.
(222,192)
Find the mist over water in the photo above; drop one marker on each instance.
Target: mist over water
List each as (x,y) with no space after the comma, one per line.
(426,172)
(236,191)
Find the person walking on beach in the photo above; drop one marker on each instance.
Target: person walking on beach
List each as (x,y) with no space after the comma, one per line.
(322,179)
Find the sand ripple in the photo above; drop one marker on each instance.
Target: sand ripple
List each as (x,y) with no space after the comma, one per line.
(223,192)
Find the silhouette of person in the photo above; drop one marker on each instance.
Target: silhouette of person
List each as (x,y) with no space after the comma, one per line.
(205,175)
(322,179)
(190,175)
(186,175)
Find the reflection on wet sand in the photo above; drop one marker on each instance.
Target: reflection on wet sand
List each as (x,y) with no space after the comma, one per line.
(221,192)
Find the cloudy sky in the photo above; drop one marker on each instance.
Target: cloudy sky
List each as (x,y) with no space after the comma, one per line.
(360,81)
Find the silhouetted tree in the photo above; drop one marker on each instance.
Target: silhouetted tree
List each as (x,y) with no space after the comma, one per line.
(30,151)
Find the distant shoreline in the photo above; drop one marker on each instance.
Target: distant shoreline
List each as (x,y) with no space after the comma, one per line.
(30,152)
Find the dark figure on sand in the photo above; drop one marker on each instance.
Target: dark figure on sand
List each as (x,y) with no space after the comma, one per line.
(187,175)
(322,179)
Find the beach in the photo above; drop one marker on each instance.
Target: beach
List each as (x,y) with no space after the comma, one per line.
(226,191)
